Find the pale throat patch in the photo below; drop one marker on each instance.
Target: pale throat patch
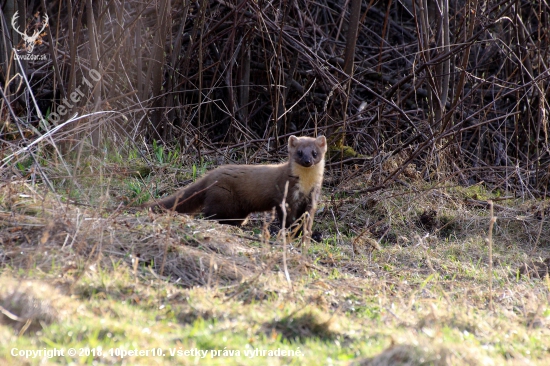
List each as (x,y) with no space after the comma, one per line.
(308,178)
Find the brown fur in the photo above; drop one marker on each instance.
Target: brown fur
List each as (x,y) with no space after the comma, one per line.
(231,192)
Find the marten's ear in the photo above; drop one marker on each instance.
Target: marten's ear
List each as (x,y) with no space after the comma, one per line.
(321,141)
(292,140)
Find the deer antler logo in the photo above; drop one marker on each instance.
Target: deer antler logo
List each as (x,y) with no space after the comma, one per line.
(29,40)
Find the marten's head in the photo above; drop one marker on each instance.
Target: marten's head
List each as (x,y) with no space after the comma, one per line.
(307,151)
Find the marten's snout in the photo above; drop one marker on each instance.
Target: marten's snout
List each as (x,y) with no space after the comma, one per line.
(305,158)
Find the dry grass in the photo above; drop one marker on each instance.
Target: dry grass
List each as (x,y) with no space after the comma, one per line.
(414,290)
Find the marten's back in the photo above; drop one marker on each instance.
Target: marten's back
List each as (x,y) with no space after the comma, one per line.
(246,188)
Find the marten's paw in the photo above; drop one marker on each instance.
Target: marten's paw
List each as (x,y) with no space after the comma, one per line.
(317,236)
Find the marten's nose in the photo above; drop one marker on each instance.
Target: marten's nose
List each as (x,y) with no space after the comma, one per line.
(308,162)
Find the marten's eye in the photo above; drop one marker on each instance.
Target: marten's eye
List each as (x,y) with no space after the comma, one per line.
(314,153)
(300,153)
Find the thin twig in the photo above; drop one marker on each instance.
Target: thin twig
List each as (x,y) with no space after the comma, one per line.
(283,233)
(492,221)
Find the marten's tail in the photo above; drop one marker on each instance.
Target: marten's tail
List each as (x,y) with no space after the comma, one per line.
(187,200)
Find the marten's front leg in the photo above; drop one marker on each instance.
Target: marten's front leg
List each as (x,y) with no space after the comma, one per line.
(311,209)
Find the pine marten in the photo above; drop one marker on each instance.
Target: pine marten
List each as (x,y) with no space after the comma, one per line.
(230,193)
